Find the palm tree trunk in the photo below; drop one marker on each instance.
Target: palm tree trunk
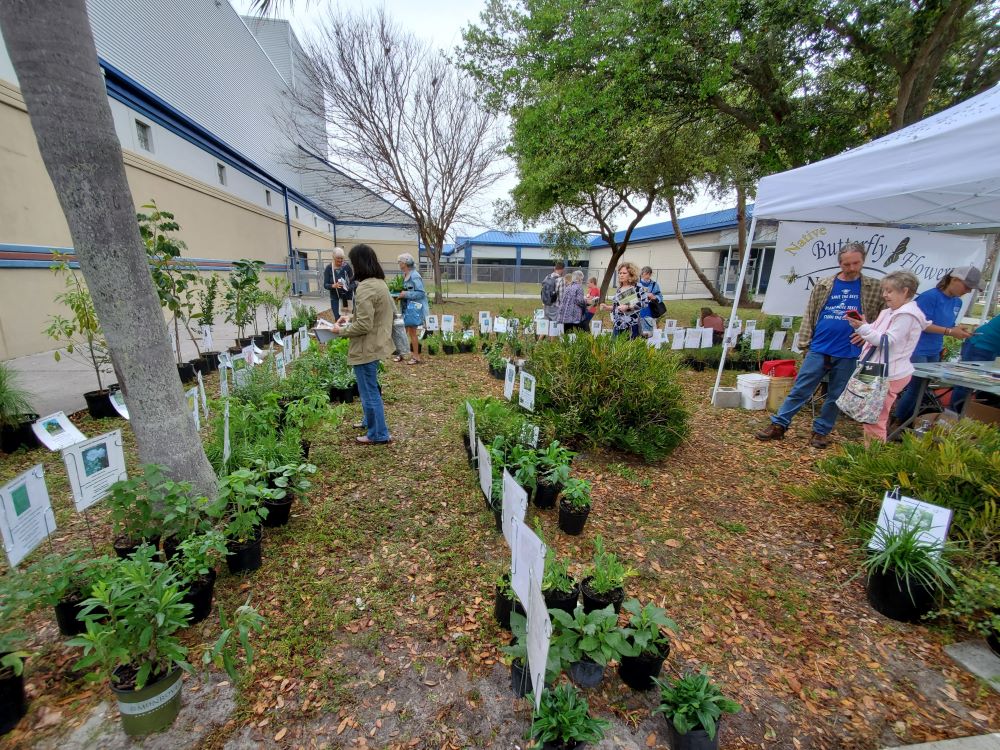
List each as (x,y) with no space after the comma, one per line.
(52,49)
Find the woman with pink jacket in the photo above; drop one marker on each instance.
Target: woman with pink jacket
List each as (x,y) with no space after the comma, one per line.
(901,322)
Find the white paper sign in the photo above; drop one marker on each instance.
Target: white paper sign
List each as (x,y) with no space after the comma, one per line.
(706,337)
(756,339)
(485,471)
(26,516)
(56,432)
(786,321)
(192,403)
(539,314)
(279,364)
(224,378)
(680,335)
(542,327)
(206,338)
(527,560)
(432,323)
(93,466)
(278,340)
(669,325)
(571,337)
(795,343)
(201,394)
(730,337)
(508,381)
(484,321)
(500,325)
(736,325)
(118,402)
(304,341)
(248,357)
(899,512)
(595,327)
(285,311)
(807,252)
(539,632)
(241,369)
(447,324)
(471,416)
(526,394)
(777,341)
(751,326)
(692,338)
(515,506)
(467,335)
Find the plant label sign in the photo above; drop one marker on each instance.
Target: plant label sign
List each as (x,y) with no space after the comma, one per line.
(757,339)
(276,338)
(557,329)
(201,395)
(279,364)
(447,324)
(26,516)
(529,435)
(526,394)
(484,321)
(669,325)
(515,506)
(899,512)
(485,471)
(542,327)
(240,370)
(527,561)
(56,432)
(508,381)
(539,633)
(247,355)
(706,337)
(751,325)
(777,341)
(595,327)
(539,314)
(206,337)
(432,323)
(795,343)
(680,335)
(192,403)
(93,466)
(471,415)
(118,402)
(692,338)
(786,321)
(500,325)
(303,339)
(226,446)
(467,335)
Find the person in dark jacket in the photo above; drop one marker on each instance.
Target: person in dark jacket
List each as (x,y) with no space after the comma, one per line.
(338,279)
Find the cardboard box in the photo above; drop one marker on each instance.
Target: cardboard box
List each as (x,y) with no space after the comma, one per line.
(981,412)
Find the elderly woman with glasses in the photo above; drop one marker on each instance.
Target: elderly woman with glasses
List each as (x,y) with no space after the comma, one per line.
(338,279)
(413,301)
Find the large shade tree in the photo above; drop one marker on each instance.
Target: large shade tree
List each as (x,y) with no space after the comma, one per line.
(52,49)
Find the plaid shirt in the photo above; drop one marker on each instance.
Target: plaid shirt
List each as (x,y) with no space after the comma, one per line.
(871,304)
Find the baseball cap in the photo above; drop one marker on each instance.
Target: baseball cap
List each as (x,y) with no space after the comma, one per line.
(968,275)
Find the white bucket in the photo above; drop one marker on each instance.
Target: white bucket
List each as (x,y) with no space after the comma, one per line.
(753,391)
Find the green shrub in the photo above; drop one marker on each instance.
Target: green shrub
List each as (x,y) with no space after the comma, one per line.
(952,466)
(610,391)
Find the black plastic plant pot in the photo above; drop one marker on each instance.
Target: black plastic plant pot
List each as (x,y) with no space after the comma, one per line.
(19,435)
(498,372)
(890,595)
(465,347)
(593,600)
(151,709)
(99,405)
(211,360)
(503,607)
(586,673)
(546,494)
(200,365)
(520,680)
(561,600)
(13,702)
(244,557)
(261,340)
(278,512)
(67,615)
(235,350)
(563,746)
(638,671)
(341,395)
(571,520)
(993,641)
(697,365)
(199,596)
(244,342)
(448,348)
(125,546)
(186,372)
(306,446)
(696,739)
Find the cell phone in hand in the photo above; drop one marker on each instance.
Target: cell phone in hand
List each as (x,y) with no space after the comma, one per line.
(854,314)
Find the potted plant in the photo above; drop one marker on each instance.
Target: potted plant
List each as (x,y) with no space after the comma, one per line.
(16,600)
(243,494)
(63,582)
(208,296)
(648,645)
(975,602)
(606,582)
(16,416)
(693,707)
(288,481)
(553,472)
(449,346)
(559,588)
(132,619)
(587,641)
(520,679)
(183,514)
(574,506)
(81,336)
(341,384)
(563,721)
(136,507)
(276,290)
(496,361)
(905,573)
(241,296)
(195,563)
(506,602)
(433,344)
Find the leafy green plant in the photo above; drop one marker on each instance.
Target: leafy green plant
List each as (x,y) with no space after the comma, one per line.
(286,479)
(556,576)
(610,391)
(645,628)
(80,334)
(395,284)
(607,572)
(576,493)
(242,290)
(906,553)
(504,586)
(693,702)
(14,401)
(183,513)
(495,358)
(523,462)
(311,410)
(588,635)
(198,555)
(467,319)
(138,503)
(433,344)
(975,602)
(208,297)
(17,598)
(553,463)
(243,494)
(276,289)
(563,717)
(518,650)
(56,577)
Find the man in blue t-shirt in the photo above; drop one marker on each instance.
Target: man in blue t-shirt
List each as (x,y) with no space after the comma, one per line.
(826,334)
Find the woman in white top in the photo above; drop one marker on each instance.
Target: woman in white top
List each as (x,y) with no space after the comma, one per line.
(901,322)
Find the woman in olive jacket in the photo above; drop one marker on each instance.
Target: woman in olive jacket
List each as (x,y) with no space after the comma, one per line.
(370,332)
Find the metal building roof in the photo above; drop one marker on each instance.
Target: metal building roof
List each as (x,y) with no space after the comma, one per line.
(725,219)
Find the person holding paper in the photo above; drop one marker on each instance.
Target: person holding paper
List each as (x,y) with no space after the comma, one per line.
(826,335)
(901,323)
(646,318)
(941,305)
(338,279)
(370,334)
(572,303)
(710,320)
(628,301)
(413,300)
(593,295)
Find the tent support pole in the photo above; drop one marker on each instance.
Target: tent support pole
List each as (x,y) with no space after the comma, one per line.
(992,290)
(736,302)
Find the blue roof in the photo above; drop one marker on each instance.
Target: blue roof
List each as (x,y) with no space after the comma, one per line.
(447,250)
(493,237)
(691,225)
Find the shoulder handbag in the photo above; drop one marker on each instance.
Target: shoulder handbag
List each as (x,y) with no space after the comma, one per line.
(865,393)
(656,307)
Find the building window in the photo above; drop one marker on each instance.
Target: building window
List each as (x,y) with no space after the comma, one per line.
(296,211)
(267,196)
(145,135)
(221,168)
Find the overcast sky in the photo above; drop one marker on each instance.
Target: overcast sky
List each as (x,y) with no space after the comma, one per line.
(440,22)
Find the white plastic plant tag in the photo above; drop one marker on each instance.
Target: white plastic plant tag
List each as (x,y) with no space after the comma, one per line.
(508,381)
(26,517)
(485,471)
(777,341)
(515,505)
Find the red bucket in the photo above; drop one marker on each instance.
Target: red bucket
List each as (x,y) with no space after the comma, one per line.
(779,368)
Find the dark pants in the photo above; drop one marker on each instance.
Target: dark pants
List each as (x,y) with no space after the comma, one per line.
(336,303)
(633,333)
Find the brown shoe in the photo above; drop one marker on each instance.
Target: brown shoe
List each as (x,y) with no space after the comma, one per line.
(772,432)
(820,441)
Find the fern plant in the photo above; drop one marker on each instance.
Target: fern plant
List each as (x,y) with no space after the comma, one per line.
(14,400)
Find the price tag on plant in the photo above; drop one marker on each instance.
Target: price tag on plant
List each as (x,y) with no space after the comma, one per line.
(526,395)
(93,466)
(508,381)
(26,516)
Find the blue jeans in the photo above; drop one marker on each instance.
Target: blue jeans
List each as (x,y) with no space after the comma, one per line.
(814,367)
(633,332)
(970,353)
(371,401)
(907,403)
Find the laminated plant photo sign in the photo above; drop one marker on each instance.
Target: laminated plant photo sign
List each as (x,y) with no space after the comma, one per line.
(56,432)
(515,505)
(93,466)
(526,396)
(26,516)
(508,381)
(901,512)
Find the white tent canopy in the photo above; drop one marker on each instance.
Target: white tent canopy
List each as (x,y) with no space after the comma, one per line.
(942,171)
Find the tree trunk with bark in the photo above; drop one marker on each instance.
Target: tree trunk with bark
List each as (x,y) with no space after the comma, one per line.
(52,48)
(716,294)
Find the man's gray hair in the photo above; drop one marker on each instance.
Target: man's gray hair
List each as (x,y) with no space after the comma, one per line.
(338,252)
(407,260)
(852,247)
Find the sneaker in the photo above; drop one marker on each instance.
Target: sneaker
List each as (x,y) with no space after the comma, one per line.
(820,441)
(772,432)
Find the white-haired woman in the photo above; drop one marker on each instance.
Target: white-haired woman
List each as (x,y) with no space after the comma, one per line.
(338,279)
(413,300)
(572,302)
